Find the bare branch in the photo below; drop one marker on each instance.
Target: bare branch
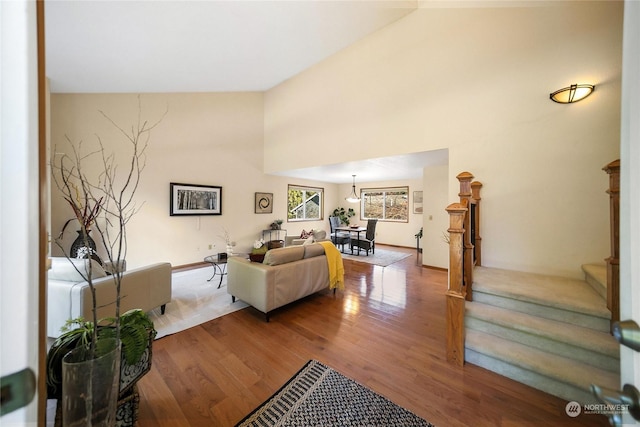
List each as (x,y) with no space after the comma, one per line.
(105,201)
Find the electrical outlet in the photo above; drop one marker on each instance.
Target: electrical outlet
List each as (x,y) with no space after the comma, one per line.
(210,246)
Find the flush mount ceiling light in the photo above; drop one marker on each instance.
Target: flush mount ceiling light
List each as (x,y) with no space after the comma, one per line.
(573,93)
(353,197)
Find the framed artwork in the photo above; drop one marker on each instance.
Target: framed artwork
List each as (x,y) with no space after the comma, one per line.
(193,199)
(264,203)
(417,202)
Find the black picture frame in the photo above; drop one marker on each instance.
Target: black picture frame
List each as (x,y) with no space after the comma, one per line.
(264,203)
(195,199)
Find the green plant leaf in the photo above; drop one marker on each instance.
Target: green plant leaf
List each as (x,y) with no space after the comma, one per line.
(136,330)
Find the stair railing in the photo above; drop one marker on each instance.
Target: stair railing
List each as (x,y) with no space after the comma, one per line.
(464,253)
(613,262)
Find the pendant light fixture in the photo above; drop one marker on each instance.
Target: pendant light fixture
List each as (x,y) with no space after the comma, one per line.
(571,94)
(353,197)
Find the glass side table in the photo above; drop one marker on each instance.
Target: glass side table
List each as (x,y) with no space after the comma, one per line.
(219,264)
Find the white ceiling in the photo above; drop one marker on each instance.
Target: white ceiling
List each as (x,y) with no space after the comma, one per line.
(111,46)
(405,166)
(200,46)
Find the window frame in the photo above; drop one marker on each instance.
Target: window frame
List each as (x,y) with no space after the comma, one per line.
(319,190)
(384,190)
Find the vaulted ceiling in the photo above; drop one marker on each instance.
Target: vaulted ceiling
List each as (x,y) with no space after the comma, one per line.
(110,46)
(199,46)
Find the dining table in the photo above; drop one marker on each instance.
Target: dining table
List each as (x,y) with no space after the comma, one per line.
(352,229)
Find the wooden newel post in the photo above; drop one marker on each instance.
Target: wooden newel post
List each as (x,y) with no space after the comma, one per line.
(613,262)
(456,292)
(465,200)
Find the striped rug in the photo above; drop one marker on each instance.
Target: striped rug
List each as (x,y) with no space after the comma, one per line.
(319,396)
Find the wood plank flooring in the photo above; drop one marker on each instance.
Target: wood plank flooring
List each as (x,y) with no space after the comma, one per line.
(386,331)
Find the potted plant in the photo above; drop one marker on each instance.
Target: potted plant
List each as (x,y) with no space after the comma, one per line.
(228,242)
(258,251)
(101,198)
(277,224)
(136,334)
(343,214)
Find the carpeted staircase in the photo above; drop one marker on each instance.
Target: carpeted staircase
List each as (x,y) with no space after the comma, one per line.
(548,332)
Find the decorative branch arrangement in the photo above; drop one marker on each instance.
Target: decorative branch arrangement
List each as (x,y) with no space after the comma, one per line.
(104,200)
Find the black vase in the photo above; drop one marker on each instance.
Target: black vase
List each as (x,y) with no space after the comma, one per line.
(80,243)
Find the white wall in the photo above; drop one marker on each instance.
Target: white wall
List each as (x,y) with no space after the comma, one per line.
(19,208)
(629,190)
(423,83)
(211,139)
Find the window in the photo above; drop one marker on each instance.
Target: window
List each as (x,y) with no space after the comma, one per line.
(386,204)
(304,203)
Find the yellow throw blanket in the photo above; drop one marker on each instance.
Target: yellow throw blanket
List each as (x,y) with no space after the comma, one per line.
(336,268)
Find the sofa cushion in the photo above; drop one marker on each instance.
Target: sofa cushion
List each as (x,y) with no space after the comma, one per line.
(283,255)
(319,235)
(67,269)
(313,250)
(293,241)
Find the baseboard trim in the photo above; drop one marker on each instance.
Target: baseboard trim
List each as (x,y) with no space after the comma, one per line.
(433,267)
(186,267)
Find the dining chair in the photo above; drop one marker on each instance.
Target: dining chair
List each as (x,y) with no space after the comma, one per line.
(368,243)
(338,238)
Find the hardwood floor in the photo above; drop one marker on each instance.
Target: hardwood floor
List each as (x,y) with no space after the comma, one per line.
(386,331)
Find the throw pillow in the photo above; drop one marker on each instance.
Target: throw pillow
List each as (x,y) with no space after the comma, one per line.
(306,234)
(309,240)
(319,235)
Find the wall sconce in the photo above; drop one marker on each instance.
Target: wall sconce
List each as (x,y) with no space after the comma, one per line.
(353,197)
(573,93)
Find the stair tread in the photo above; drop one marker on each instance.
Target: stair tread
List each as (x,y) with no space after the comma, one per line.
(553,366)
(597,271)
(553,291)
(600,342)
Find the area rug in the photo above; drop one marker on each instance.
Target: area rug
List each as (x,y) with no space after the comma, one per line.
(382,257)
(319,396)
(194,301)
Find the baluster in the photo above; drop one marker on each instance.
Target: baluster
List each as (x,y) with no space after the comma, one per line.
(613,262)
(477,241)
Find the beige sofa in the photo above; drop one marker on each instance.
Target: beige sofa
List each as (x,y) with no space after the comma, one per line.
(69,295)
(317,236)
(286,275)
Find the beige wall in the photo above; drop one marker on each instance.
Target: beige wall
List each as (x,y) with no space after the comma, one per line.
(477,81)
(211,139)
(435,250)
